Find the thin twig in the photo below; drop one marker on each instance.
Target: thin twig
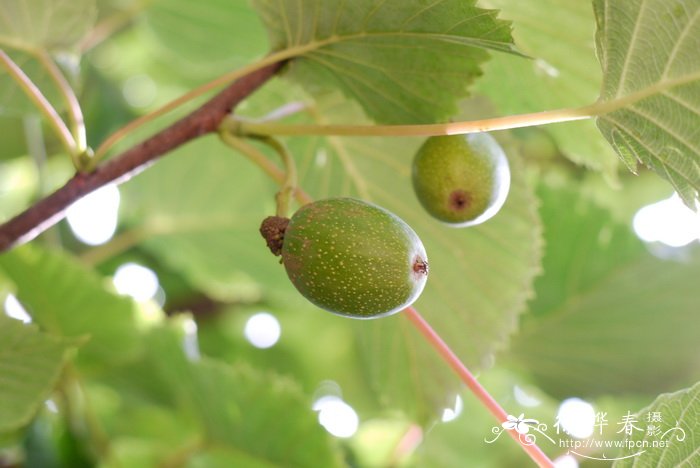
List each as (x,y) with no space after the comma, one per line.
(204,120)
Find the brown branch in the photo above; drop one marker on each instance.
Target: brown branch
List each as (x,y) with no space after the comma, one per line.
(48,211)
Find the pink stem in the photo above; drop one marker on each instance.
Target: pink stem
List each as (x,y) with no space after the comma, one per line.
(492,405)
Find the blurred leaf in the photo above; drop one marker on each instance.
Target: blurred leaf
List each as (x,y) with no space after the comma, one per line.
(563,72)
(45,24)
(258,416)
(224,35)
(66,299)
(17,186)
(14,143)
(583,245)
(30,363)
(50,442)
(635,191)
(20,179)
(134,453)
(263,415)
(606,308)
(377,442)
(680,413)
(649,49)
(403,61)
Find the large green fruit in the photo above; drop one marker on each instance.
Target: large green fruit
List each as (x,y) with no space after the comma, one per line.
(461,180)
(353,258)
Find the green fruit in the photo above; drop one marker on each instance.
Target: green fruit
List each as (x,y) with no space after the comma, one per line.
(353,258)
(461,180)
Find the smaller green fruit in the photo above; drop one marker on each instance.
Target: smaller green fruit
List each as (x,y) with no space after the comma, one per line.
(353,258)
(461,180)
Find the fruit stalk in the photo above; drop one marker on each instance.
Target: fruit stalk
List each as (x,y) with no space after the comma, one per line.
(75,113)
(449,128)
(476,388)
(258,158)
(289,185)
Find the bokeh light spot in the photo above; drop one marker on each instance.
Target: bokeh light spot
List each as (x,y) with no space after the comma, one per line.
(93,218)
(263,330)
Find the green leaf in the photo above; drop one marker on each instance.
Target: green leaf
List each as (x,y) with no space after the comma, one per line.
(230,402)
(562,72)
(583,245)
(67,299)
(648,51)
(55,25)
(223,35)
(30,363)
(606,308)
(261,417)
(680,420)
(17,186)
(403,61)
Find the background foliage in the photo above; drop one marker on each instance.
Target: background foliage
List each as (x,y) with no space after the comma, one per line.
(556,297)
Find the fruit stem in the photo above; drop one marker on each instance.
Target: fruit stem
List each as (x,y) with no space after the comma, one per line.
(476,388)
(259,159)
(290,180)
(75,113)
(41,103)
(449,128)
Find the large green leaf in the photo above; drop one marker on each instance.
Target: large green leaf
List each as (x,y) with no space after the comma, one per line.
(562,72)
(45,24)
(648,51)
(679,428)
(403,61)
(67,299)
(606,308)
(30,363)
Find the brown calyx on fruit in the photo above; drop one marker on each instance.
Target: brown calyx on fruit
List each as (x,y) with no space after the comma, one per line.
(459,200)
(272,229)
(420,266)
